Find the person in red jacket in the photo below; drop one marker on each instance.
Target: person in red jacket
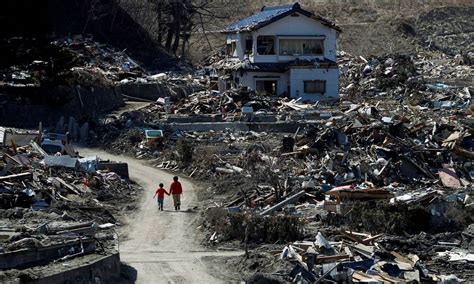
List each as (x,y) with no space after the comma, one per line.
(161,196)
(176,190)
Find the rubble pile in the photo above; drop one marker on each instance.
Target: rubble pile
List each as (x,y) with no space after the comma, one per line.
(412,79)
(209,103)
(393,158)
(356,258)
(447,29)
(77,77)
(31,179)
(428,80)
(62,206)
(69,61)
(224,107)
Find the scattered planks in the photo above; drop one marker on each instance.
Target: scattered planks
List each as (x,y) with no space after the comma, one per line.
(58,182)
(26,175)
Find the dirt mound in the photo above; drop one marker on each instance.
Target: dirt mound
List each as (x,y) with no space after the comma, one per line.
(378,32)
(448,29)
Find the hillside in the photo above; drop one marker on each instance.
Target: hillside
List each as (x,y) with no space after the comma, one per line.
(372,27)
(106,21)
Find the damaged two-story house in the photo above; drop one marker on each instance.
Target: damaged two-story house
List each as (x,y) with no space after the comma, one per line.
(282,51)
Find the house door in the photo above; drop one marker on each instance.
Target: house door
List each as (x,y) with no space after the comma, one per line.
(267,87)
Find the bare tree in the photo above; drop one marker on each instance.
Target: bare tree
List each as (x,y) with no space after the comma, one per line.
(178,19)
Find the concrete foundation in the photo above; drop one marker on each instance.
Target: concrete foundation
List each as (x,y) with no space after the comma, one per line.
(148,91)
(194,118)
(31,257)
(280,127)
(106,269)
(119,168)
(154,90)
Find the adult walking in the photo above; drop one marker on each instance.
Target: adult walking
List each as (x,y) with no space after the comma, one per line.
(176,190)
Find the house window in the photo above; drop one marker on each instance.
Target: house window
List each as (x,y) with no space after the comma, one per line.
(315,87)
(301,46)
(266,45)
(249,45)
(230,50)
(266,87)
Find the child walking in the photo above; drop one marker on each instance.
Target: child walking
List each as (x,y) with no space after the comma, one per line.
(161,196)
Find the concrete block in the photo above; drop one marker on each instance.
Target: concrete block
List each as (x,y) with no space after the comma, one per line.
(119,168)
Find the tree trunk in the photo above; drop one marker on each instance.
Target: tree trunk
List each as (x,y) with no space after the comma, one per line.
(160,23)
(177,7)
(183,48)
(246,238)
(169,38)
(177,32)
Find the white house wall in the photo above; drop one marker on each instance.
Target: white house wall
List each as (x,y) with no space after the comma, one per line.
(290,27)
(249,79)
(299,75)
(239,39)
(296,26)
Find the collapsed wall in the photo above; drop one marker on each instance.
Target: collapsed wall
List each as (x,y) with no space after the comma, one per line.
(27,106)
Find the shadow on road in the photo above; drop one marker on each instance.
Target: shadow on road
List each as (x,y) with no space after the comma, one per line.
(174,211)
(128,274)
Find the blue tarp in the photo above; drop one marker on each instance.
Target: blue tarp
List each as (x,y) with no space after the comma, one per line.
(363,265)
(40,205)
(89,164)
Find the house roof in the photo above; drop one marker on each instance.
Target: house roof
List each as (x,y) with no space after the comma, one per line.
(269,15)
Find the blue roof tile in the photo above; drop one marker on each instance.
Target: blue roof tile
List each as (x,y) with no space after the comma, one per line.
(267,14)
(270,14)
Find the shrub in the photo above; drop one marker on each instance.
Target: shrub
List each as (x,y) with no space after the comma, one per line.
(269,229)
(185,151)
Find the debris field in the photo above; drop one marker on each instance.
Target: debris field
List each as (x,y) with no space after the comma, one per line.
(375,188)
(57,210)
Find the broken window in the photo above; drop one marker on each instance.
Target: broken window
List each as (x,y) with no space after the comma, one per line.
(249,45)
(267,87)
(315,87)
(230,50)
(266,45)
(301,46)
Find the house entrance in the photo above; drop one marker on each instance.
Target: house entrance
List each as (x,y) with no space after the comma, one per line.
(267,87)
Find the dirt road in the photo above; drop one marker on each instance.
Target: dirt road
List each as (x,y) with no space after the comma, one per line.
(163,246)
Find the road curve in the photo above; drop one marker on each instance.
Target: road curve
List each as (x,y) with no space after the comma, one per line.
(162,246)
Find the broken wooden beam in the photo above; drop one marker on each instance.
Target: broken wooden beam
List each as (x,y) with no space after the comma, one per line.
(331,258)
(280,205)
(463,152)
(57,181)
(17,176)
(38,148)
(371,240)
